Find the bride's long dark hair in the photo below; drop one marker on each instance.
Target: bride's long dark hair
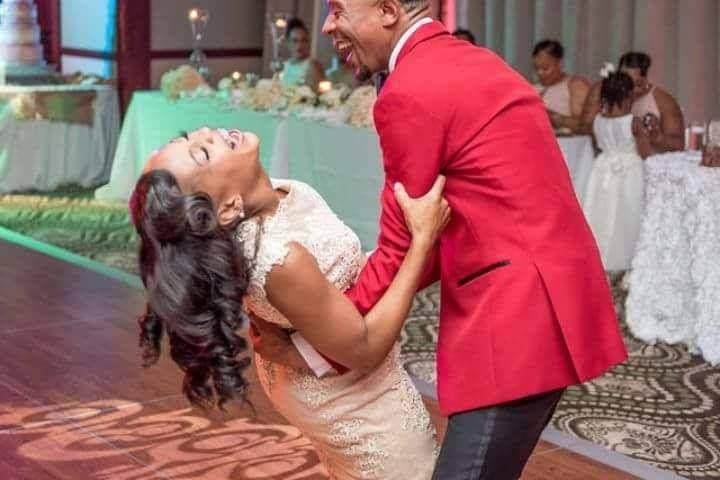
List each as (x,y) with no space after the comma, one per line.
(195,282)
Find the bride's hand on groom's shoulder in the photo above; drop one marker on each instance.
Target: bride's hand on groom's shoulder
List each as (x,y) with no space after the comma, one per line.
(426,216)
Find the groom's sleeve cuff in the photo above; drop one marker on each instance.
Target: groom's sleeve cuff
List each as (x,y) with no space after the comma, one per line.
(315,361)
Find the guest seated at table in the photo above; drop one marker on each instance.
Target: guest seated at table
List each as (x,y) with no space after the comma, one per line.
(663,124)
(613,200)
(564,95)
(300,68)
(463,34)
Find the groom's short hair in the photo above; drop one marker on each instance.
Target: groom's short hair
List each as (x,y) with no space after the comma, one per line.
(413,4)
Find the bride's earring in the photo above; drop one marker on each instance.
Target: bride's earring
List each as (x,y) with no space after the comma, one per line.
(231,211)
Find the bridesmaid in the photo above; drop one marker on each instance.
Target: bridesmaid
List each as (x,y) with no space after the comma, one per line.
(300,68)
(564,94)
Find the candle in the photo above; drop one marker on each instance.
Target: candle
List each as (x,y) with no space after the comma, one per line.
(193,14)
(324,86)
(236,76)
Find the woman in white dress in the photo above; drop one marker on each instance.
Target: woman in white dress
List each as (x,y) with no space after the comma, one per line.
(214,229)
(614,197)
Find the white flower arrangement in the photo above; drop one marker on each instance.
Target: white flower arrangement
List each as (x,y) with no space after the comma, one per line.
(607,69)
(340,104)
(300,96)
(266,95)
(184,82)
(360,107)
(271,95)
(334,98)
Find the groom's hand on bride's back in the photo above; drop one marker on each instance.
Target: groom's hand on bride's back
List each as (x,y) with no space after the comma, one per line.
(426,216)
(273,343)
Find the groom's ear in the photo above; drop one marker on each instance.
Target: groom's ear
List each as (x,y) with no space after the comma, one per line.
(231,211)
(390,11)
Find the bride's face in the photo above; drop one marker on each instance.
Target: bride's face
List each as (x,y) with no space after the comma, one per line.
(218,162)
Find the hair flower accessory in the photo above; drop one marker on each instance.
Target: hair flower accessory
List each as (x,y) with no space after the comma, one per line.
(607,69)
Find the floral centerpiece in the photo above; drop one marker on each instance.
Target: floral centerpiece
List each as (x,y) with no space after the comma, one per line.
(272,95)
(300,96)
(335,97)
(266,95)
(359,107)
(184,82)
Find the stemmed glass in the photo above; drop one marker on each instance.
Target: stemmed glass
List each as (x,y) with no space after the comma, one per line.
(277,23)
(198,18)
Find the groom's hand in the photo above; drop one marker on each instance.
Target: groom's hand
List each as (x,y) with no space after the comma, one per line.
(273,343)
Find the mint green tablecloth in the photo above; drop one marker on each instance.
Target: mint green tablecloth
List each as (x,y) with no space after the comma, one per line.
(152,120)
(344,164)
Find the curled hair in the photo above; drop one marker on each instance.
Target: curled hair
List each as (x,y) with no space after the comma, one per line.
(551,47)
(615,89)
(638,60)
(295,24)
(195,283)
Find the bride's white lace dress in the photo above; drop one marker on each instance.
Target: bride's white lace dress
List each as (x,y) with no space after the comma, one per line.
(363,425)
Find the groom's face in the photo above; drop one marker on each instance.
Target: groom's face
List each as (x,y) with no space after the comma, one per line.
(361,31)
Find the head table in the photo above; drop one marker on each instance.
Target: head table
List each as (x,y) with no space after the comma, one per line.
(341,161)
(63,134)
(675,279)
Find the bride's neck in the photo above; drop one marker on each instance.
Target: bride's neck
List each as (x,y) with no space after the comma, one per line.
(264,201)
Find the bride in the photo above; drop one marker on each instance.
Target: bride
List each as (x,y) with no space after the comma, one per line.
(215,229)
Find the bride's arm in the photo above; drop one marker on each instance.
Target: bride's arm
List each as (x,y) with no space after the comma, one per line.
(329,321)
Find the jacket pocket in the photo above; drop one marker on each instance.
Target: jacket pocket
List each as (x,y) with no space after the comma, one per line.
(469,278)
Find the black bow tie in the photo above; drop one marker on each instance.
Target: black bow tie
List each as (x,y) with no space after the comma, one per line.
(380,78)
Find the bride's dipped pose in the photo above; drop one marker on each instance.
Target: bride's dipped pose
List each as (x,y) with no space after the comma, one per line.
(215,230)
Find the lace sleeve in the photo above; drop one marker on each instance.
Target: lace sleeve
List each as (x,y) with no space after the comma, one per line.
(272,252)
(262,251)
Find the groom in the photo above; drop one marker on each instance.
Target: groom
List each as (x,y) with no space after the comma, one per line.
(526,309)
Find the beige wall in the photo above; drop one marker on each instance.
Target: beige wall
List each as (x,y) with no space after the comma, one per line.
(233,24)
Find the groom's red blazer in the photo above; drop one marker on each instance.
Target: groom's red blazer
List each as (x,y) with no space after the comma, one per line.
(525,306)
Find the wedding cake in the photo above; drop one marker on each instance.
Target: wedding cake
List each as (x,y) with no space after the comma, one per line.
(20,45)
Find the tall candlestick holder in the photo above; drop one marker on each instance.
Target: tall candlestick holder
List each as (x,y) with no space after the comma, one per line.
(198,18)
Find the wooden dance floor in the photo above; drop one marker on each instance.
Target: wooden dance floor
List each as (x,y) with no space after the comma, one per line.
(75,403)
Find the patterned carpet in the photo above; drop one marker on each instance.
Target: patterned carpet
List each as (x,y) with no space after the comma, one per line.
(73,221)
(662,406)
